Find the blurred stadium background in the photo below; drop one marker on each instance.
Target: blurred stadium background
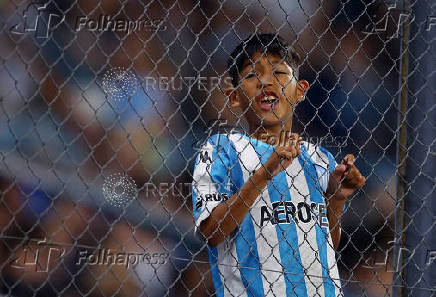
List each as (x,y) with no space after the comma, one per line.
(61,134)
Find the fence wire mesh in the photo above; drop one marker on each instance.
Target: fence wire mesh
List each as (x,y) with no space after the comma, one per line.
(105,105)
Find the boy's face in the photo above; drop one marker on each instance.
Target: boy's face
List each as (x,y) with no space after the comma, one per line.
(268,90)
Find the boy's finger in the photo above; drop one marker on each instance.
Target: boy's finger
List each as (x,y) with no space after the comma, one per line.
(339,171)
(354,178)
(362,181)
(289,156)
(282,151)
(290,147)
(292,142)
(294,136)
(358,181)
(353,172)
(348,160)
(295,140)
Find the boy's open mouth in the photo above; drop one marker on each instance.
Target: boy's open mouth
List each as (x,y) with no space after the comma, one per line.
(267,100)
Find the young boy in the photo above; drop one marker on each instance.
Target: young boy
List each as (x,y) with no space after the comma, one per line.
(270,212)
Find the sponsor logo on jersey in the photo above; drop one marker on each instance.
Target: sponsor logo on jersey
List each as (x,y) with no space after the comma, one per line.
(210,197)
(286,212)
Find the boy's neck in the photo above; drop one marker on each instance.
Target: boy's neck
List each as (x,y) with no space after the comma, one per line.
(271,134)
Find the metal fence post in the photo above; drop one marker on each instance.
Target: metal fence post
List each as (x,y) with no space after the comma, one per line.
(416,182)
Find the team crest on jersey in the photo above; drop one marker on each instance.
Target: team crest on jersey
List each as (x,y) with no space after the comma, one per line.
(205,157)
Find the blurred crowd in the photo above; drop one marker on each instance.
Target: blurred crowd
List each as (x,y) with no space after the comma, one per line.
(61,134)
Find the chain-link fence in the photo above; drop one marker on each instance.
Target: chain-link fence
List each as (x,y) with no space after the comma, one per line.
(105,104)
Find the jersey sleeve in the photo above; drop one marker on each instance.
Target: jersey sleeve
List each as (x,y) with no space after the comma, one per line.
(211,178)
(325,163)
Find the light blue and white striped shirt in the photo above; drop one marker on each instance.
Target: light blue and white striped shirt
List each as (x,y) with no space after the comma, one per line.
(283,246)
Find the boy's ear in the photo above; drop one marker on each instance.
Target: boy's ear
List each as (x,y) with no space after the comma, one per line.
(302,88)
(233,97)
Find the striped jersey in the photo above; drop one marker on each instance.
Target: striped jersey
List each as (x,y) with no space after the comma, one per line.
(283,245)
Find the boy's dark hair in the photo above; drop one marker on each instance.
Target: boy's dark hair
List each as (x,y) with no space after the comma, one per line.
(264,43)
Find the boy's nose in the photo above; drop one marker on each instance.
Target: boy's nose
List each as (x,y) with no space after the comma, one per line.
(265,79)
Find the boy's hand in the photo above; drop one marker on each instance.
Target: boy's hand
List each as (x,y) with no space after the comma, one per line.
(283,156)
(350,176)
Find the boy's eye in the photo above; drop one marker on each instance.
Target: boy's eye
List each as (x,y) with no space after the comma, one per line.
(281,72)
